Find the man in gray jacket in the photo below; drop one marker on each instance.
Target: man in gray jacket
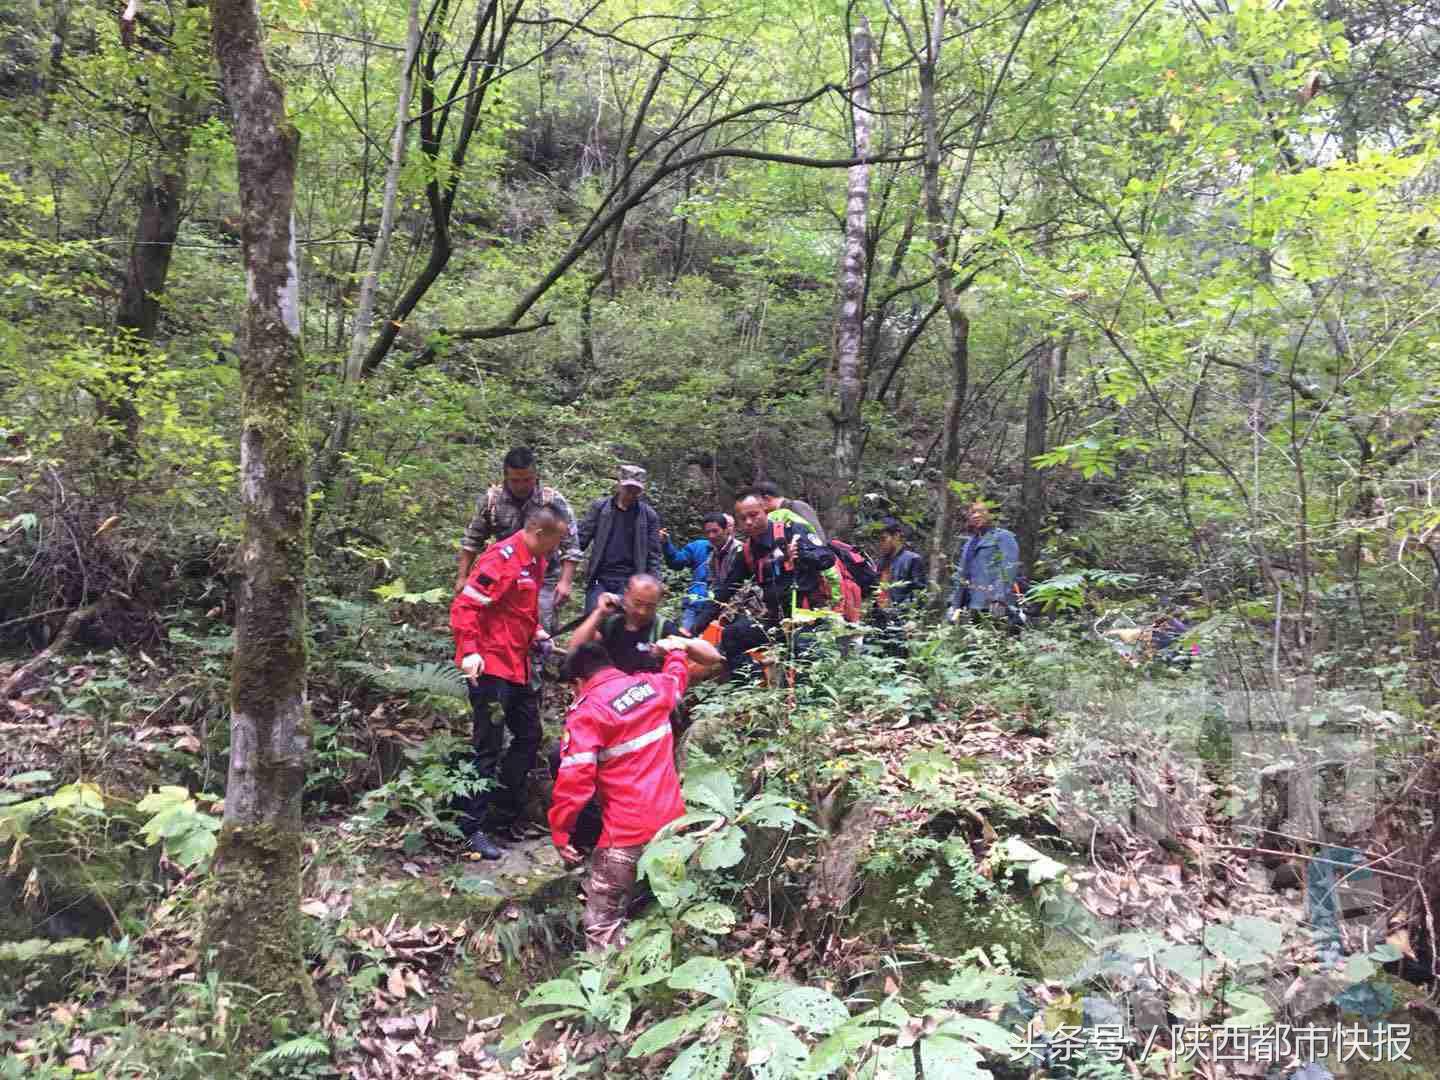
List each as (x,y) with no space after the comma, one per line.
(622,532)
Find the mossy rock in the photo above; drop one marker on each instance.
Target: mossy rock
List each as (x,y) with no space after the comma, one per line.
(953,925)
(530,876)
(83,881)
(42,971)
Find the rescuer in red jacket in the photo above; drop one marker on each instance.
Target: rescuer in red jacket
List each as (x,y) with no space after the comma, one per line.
(618,746)
(495,618)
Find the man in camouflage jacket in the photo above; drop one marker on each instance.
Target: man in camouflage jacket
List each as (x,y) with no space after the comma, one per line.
(501,511)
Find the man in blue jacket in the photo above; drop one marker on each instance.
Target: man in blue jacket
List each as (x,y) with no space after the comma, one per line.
(986,569)
(695,557)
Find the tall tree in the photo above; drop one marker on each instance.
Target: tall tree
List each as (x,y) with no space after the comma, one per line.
(171,107)
(849,326)
(253,923)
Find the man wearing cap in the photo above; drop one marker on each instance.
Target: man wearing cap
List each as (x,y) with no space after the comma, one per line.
(622,532)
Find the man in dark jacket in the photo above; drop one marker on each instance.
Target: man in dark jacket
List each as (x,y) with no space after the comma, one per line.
(903,576)
(501,511)
(794,510)
(622,532)
(783,559)
(902,585)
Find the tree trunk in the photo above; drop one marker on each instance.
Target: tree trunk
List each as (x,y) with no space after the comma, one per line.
(1043,364)
(253,920)
(365,305)
(161,197)
(138,312)
(849,330)
(937,224)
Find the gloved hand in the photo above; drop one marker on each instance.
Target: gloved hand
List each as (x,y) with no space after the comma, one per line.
(953,615)
(472,665)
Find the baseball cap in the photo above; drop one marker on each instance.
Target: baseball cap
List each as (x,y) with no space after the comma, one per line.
(632,476)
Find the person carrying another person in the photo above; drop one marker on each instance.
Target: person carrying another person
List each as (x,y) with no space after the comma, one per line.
(618,747)
(986,570)
(784,559)
(495,618)
(794,511)
(627,628)
(622,532)
(501,511)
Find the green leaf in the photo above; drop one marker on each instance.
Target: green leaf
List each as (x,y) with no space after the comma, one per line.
(707,975)
(557,992)
(526,1031)
(837,1050)
(972,984)
(725,848)
(944,1058)
(34,776)
(1358,968)
(668,1032)
(812,1008)
(774,1053)
(710,917)
(647,959)
(1246,1009)
(663,866)
(1184,960)
(193,848)
(1039,867)
(703,1061)
(84,795)
(1385,953)
(711,787)
(1223,941)
(981,1032)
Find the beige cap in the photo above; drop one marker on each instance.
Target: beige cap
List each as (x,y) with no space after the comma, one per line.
(631,476)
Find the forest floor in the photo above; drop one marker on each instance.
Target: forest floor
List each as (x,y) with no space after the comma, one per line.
(423,954)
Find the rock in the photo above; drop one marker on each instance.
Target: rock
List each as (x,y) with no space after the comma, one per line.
(41,970)
(1100,1012)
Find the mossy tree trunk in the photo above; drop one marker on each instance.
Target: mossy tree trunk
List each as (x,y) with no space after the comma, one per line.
(253,924)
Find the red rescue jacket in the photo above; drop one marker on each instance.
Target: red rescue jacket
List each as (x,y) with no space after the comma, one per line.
(497,611)
(618,745)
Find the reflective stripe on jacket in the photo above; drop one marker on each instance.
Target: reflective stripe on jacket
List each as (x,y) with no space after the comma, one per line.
(618,745)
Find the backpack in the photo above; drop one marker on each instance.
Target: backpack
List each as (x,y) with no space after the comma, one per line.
(857,566)
(851,592)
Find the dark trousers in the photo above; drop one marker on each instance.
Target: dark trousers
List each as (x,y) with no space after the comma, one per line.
(496,705)
(614,584)
(586,831)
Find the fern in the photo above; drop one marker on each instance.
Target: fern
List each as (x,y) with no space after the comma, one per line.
(442,680)
(300,1048)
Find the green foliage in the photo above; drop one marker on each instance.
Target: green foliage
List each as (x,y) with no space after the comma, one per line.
(425,795)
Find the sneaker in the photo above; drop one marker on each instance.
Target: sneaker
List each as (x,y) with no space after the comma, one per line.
(483,846)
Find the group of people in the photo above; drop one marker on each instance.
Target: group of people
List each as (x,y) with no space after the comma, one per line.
(616,783)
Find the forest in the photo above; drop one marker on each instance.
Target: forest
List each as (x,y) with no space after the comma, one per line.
(1152,281)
